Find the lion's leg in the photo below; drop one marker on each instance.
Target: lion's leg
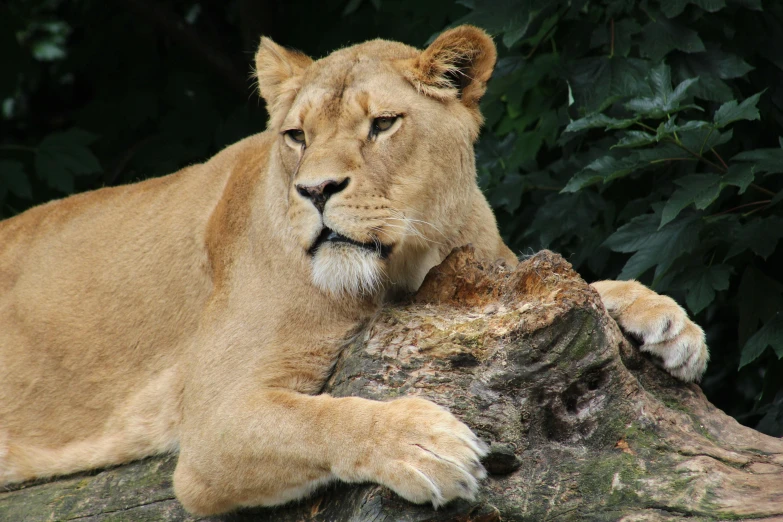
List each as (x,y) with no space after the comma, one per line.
(659,323)
(278,445)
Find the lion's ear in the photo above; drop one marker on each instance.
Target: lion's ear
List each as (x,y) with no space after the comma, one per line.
(458,63)
(279,72)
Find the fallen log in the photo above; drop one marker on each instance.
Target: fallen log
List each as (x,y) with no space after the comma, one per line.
(582,425)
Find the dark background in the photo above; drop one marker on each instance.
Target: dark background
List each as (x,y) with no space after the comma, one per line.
(598,142)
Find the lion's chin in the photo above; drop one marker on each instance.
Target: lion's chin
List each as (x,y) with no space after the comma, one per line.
(347,271)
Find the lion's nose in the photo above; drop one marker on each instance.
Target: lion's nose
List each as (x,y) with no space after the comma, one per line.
(320,193)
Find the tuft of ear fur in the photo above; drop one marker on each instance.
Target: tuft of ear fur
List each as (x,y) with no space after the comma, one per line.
(457,64)
(279,72)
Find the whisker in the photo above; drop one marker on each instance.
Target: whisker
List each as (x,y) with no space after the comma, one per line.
(412,221)
(381,231)
(405,217)
(410,231)
(409,227)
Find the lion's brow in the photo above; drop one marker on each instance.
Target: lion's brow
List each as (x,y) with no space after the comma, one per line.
(334,106)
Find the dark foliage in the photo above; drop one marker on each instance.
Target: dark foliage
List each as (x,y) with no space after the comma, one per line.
(640,139)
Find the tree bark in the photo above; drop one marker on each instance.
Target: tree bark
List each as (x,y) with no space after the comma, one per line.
(582,426)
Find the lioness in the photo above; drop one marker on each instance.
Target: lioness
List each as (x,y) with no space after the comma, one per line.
(202,311)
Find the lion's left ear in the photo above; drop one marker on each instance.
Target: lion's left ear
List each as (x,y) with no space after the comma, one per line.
(457,64)
(280,72)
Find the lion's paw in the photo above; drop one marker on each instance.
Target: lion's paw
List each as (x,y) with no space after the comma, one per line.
(664,330)
(424,454)
(660,324)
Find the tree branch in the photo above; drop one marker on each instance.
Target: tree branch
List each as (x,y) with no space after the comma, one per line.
(581,425)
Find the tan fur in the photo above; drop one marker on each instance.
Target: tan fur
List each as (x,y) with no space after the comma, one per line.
(190,312)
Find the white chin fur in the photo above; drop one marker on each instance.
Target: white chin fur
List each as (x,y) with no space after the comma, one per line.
(343,270)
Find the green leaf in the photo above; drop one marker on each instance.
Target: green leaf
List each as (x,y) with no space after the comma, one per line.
(776,199)
(618,7)
(661,36)
(660,79)
(769,401)
(13,176)
(48,51)
(664,100)
(632,139)
(670,127)
(730,112)
(645,106)
(702,190)
(724,65)
(654,246)
(699,189)
(566,215)
(508,193)
(759,298)
(624,31)
(672,8)
(761,235)
(749,4)
(704,138)
(712,67)
(607,168)
(597,82)
(48,43)
(601,169)
(526,146)
(352,6)
(509,18)
(596,121)
(702,283)
(771,334)
(14,55)
(679,92)
(769,161)
(661,153)
(740,175)
(63,155)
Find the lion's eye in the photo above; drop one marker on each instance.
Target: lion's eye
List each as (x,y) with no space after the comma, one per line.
(383,123)
(297,135)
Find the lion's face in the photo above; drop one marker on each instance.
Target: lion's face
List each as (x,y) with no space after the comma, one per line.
(375,148)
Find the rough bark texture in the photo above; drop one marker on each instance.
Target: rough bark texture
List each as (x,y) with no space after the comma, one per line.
(582,426)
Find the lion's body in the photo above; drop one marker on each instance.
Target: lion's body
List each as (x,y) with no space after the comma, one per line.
(204,309)
(101,294)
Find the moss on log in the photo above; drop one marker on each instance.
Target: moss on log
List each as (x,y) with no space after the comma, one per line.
(582,426)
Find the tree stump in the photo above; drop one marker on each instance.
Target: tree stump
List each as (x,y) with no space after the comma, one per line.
(582,426)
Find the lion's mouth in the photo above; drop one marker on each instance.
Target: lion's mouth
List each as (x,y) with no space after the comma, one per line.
(328,235)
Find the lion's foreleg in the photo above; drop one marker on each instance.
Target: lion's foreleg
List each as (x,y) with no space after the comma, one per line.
(277,445)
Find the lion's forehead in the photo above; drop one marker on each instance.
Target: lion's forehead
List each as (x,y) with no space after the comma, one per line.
(352,75)
(355,93)
(374,50)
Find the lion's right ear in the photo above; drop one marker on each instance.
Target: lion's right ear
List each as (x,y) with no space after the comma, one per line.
(457,64)
(279,72)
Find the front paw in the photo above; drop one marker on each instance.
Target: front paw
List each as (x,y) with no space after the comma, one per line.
(423,453)
(663,328)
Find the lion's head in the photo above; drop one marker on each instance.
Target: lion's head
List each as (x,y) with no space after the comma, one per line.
(376,148)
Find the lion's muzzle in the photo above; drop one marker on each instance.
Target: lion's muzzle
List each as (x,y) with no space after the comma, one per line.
(329,236)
